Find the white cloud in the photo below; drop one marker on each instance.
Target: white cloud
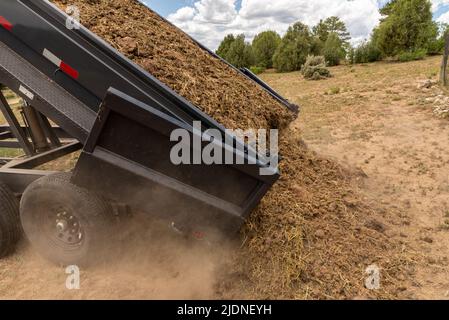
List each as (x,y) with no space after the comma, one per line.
(444,18)
(209,21)
(440,5)
(185,14)
(216,11)
(437,4)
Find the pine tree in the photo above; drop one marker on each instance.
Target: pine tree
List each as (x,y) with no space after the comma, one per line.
(294,49)
(264,46)
(408,26)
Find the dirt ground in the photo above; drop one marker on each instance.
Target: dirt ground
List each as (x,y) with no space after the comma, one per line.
(374,117)
(370,118)
(147,263)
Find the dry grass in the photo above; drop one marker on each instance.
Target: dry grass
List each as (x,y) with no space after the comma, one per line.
(351,88)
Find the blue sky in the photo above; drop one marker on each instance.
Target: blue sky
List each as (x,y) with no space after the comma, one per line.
(442,10)
(209,21)
(165,7)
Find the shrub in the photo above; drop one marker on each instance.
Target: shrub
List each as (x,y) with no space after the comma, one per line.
(315,68)
(257,70)
(436,47)
(412,55)
(315,61)
(364,53)
(334,90)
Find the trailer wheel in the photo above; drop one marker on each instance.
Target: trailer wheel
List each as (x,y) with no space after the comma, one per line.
(65,223)
(10,230)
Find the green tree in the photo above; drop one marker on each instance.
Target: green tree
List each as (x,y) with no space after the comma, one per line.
(333,50)
(225,45)
(294,48)
(316,46)
(436,45)
(332,25)
(387,9)
(264,46)
(240,53)
(236,51)
(406,27)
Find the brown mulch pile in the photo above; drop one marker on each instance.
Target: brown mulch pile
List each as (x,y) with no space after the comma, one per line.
(312,236)
(308,238)
(172,57)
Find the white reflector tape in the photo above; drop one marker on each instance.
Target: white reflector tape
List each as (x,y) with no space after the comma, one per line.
(26,92)
(66,68)
(50,56)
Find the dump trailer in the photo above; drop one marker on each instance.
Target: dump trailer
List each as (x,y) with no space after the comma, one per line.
(81,95)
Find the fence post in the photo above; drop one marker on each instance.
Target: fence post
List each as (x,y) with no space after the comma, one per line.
(443,72)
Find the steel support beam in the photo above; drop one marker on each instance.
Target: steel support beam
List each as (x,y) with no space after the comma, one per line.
(6,135)
(50,132)
(15,127)
(61,134)
(13,144)
(18,179)
(40,159)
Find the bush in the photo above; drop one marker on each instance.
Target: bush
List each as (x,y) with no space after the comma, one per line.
(406,56)
(436,47)
(315,68)
(257,70)
(364,53)
(334,90)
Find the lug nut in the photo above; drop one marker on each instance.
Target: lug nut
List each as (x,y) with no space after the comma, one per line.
(61,226)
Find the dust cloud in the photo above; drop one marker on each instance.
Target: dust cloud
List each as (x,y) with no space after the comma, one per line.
(148,260)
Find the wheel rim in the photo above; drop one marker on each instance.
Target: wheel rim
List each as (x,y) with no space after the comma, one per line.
(63,228)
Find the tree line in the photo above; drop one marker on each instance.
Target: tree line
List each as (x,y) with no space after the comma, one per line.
(406,32)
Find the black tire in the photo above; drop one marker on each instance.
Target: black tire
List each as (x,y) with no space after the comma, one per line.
(10,229)
(66,224)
